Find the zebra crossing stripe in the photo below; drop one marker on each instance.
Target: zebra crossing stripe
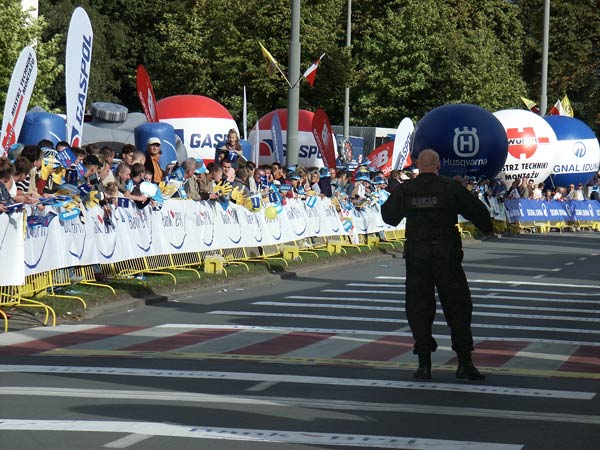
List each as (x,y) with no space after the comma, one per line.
(277,378)
(521,291)
(487,296)
(479,305)
(513,283)
(248,435)
(393,308)
(396,321)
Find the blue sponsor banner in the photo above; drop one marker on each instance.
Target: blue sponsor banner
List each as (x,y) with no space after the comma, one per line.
(585,209)
(520,210)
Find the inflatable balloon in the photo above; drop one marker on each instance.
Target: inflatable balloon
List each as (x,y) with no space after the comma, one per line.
(40,125)
(531,146)
(577,151)
(308,155)
(468,138)
(200,122)
(270,212)
(111,125)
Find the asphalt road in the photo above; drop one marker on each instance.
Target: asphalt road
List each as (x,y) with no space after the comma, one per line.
(323,361)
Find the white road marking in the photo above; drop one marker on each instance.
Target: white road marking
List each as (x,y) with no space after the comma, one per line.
(507,297)
(262,386)
(479,305)
(396,321)
(404,331)
(265,378)
(127,441)
(472,288)
(396,309)
(514,283)
(250,435)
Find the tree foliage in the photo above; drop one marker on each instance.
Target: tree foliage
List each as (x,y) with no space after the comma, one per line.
(407,56)
(573,56)
(19,31)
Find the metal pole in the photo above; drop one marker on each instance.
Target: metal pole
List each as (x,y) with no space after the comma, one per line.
(544,95)
(293,92)
(347,92)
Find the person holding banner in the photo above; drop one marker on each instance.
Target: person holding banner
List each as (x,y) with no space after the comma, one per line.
(232,145)
(430,204)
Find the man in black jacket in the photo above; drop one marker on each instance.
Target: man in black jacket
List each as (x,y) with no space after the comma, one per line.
(434,255)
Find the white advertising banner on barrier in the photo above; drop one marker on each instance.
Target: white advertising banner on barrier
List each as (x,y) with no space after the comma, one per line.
(107,235)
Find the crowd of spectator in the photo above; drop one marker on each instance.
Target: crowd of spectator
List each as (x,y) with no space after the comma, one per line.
(33,173)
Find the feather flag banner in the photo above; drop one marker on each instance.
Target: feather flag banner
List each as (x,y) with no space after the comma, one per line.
(311,72)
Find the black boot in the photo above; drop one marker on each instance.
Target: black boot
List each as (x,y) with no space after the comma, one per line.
(424,370)
(466,370)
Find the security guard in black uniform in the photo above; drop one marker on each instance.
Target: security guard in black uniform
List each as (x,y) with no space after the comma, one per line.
(434,255)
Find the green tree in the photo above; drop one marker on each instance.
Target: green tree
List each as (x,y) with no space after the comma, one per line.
(573,56)
(213,50)
(416,55)
(19,30)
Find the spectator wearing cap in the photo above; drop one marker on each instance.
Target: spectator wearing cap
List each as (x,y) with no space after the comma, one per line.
(295,181)
(325,182)
(152,159)
(362,187)
(201,175)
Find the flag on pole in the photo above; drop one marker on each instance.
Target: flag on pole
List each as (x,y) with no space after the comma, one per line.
(245,115)
(561,108)
(567,108)
(272,66)
(531,105)
(311,72)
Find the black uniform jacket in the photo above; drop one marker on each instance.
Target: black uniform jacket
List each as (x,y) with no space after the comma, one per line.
(431,204)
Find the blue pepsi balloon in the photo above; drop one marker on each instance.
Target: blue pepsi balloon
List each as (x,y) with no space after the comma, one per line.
(577,153)
(469,139)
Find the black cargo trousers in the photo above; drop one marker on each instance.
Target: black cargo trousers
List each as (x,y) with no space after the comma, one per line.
(432,264)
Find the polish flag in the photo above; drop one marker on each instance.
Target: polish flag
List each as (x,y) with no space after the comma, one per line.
(311,72)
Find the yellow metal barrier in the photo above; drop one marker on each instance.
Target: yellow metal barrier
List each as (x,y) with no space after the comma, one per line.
(89,278)
(35,284)
(186,261)
(158,264)
(62,277)
(235,256)
(266,254)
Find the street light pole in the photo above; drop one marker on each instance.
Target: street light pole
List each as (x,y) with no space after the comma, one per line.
(544,95)
(347,92)
(294,90)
